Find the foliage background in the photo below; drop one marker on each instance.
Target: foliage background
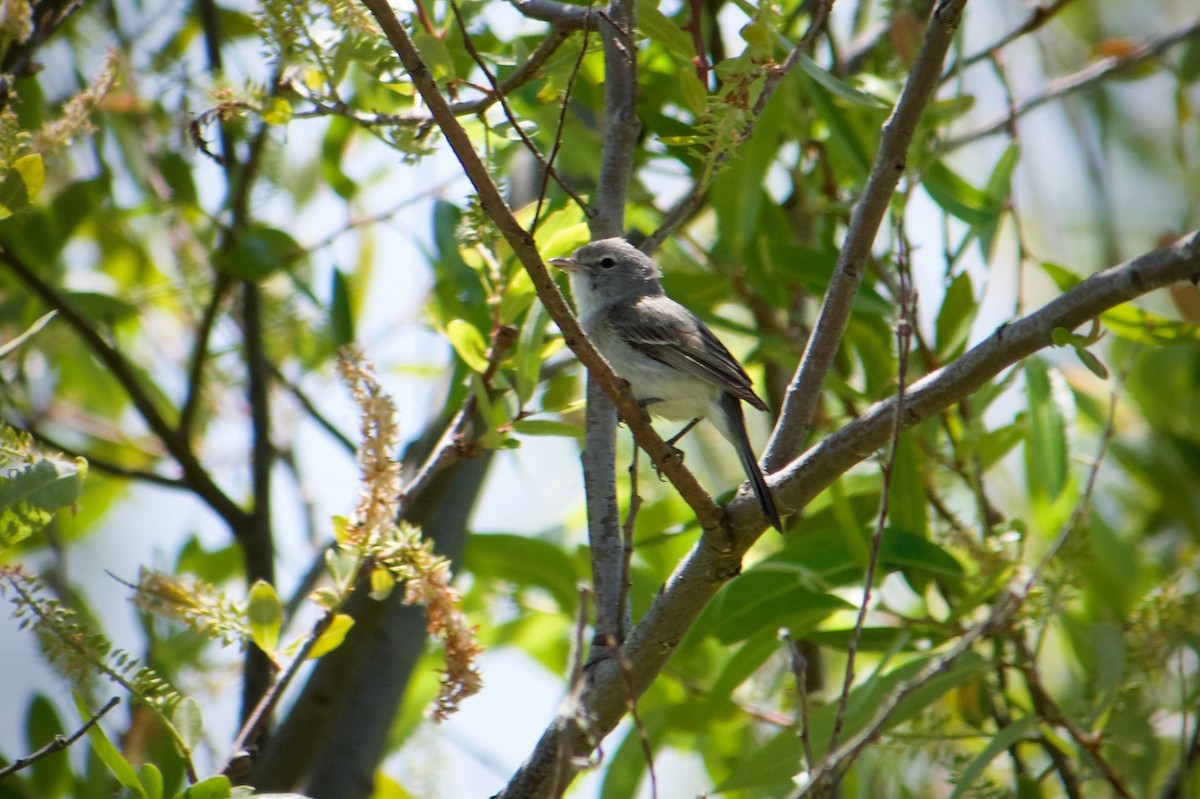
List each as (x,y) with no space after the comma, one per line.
(327,224)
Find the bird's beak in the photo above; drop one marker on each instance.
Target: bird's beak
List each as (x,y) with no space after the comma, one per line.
(566,264)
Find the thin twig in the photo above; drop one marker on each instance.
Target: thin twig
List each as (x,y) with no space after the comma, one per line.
(560,126)
(256,719)
(904,333)
(58,742)
(1086,78)
(799,665)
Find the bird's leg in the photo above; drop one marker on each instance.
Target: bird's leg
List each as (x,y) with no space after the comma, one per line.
(671,441)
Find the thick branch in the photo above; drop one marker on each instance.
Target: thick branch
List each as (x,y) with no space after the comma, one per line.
(804,392)
(706,568)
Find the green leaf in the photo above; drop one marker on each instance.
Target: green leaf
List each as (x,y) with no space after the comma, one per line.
(525,562)
(547,427)
(907,504)
(695,94)
(469,343)
(779,759)
(341,314)
(767,599)
(258,253)
(1046,448)
(838,87)
(436,55)
(999,743)
(1092,363)
(217,787)
(957,197)
(1189,61)
(48,776)
(333,636)
(382,583)
(999,191)
(264,613)
(657,27)
(109,755)
(188,722)
(529,352)
(1063,278)
(901,549)
(15,344)
(151,779)
(20,183)
(955,318)
(32,494)
(1136,324)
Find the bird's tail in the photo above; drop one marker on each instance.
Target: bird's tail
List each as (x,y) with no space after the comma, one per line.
(731,407)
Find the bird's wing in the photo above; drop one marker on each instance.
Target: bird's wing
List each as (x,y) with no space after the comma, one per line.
(670,334)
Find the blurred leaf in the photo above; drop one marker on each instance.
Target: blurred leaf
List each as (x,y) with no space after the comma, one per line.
(529,352)
(955,318)
(151,779)
(907,505)
(103,308)
(1003,740)
(264,613)
(1063,278)
(333,636)
(259,252)
(957,197)
(778,760)
(524,562)
(657,27)
(838,87)
(436,55)
(217,787)
(1046,447)
(333,147)
(30,494)
(382,583)
(547,427)
(341,316)
(50,776)
(20,183)
(903,549)
(469,343)
(1136,324)
(694,92)
(189,722)
(767,599)
(15,344)
(112,758)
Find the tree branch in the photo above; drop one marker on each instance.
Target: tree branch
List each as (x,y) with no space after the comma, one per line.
(58,742)
(804,392)
(706,567)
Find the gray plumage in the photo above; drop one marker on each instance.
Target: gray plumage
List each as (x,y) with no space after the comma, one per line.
(675,366)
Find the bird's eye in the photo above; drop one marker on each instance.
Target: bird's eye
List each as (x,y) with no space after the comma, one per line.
(608,263)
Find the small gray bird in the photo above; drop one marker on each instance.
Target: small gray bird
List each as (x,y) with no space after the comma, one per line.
(675,365)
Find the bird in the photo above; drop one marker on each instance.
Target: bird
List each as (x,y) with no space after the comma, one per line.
(675,366)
